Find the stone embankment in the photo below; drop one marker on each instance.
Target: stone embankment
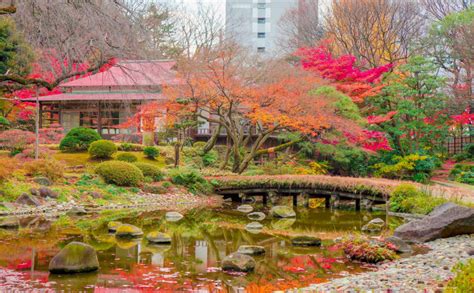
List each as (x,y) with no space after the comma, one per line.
(419,273)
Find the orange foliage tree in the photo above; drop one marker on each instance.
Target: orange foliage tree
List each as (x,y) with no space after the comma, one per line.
(253,102)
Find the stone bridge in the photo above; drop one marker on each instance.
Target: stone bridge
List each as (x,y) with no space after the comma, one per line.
(330,188)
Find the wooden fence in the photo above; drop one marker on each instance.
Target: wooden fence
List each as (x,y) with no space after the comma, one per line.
(456,144)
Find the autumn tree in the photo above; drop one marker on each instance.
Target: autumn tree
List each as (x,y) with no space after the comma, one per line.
(411,108)
(253,103)
(376,32)
(76,32)
(450,44)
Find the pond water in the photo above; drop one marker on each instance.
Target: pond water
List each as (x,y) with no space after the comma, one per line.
(192,262)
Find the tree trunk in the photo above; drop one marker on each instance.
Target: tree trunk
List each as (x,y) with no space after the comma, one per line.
(176,153)
(212,141)
(227,155)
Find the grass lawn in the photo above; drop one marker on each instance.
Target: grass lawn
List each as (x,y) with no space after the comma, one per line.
(76,159)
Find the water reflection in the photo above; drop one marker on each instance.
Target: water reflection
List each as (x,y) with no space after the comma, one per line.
(199,242)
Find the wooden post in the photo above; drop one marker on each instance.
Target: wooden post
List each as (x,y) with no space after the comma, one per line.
(37,124)
(306,198)
(327,201)
(357,204)
(264,199)
(295,200)
(99,118)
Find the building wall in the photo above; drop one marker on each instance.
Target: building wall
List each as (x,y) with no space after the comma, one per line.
(246,20)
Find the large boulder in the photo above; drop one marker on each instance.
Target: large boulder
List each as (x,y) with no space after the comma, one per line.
(446,220)
(306,241)
(26,199)
(282,212)
(238,262)
(400,245)
(158,237)
(47,192)
(128,231)
(251,250)
(374,226)
(76,257)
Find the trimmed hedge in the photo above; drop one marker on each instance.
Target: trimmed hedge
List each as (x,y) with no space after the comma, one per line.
(120,173)
(150,170)
(78,139)
(102,149)
(127,157)
(151,152)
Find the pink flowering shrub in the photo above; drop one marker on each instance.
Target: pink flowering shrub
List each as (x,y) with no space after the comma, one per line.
(365,251)
(29,153)
(52,134)
(16,140)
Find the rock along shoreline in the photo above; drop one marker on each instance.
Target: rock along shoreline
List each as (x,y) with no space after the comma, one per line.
(143,201)
(419,273)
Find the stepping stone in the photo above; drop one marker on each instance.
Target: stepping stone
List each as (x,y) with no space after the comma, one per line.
(245,208)
(254,227)
(282,212)
(306,241)
(128,231)
(113,225)
(173,216)
(256,216)
(158,237)
(251,250)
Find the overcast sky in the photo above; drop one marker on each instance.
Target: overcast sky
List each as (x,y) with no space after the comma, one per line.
(220,4)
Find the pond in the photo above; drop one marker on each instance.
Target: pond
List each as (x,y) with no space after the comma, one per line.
(199,242)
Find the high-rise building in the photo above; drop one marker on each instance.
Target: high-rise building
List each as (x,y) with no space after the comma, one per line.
(255,24)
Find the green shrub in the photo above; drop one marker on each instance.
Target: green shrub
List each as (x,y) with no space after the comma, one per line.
(102,149)
(4,122)
(462,173)
(127,157)
(406,198)
(469,149)
(210,158)
(78,139)
(461,157)
(151,152)
(414,167)
(130,147)
(120,173)
(464,279)
(189,178)
(150,170)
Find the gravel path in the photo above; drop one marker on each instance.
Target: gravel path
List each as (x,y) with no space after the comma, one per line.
(419,273)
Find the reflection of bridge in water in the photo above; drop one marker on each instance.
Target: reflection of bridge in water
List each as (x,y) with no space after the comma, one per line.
(329,188)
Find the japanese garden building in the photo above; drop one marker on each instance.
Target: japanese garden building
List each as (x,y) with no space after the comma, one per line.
(104,100)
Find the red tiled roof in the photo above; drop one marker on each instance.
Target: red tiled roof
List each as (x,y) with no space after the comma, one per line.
(111,96)
(130,73)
